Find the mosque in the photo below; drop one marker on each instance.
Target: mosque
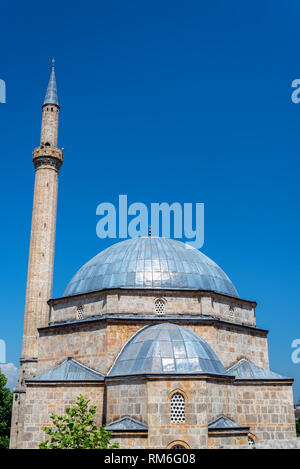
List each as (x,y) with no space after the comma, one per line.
(153,333)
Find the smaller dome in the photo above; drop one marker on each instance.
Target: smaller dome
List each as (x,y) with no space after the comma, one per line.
(166,349)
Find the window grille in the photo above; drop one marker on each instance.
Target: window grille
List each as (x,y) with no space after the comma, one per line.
(160,306)
(80,312)
(177,408)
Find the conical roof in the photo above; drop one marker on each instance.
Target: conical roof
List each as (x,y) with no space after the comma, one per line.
(51,95)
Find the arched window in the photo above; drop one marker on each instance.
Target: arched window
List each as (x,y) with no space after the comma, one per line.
(178,444)
(160,306)
(177,408)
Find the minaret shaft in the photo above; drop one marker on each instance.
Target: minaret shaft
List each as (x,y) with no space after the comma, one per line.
(41,258)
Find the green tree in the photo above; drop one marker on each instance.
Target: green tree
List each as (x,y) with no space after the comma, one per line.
(298,427)
(5,412)
(77,429)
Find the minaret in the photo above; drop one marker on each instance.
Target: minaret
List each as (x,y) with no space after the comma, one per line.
(47,160)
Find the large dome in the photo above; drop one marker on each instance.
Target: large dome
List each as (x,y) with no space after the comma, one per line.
(166,349)
(151,263)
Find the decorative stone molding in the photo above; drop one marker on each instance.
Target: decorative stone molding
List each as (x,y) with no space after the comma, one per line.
(46,161)
(176,391)
(177,444)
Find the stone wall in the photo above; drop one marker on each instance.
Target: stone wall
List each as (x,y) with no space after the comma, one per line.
(233,343)
(227,441)
(161,431)
(66,309)
(293,443)
(130,440)
(142,302)
(127,399)
(267,409)
(220,401)
(85,343)
(43,400)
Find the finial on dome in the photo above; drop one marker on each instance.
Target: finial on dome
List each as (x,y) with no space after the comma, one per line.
(51,95)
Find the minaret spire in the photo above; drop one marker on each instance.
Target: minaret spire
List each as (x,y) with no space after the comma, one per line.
(47,160)
(51,94)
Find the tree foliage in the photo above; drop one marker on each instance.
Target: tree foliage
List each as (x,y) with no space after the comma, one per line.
(5,412)
(298,427)
(77,429)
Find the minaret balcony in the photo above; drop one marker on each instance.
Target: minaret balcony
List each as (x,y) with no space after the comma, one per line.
(45,155)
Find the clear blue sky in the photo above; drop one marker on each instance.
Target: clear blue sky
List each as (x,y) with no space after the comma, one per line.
(163,101)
